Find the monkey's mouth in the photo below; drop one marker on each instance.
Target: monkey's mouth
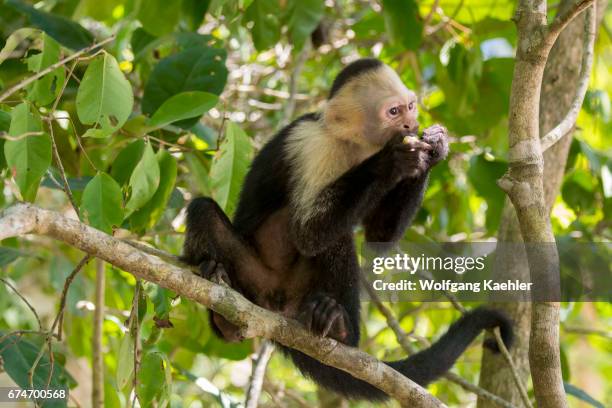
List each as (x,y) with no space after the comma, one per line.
(408,132)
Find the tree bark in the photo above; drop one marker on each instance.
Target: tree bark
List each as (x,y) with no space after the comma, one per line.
(559,85)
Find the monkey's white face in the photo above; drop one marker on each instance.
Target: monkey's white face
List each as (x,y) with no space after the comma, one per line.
(373,108)
(398,113)
(393,107)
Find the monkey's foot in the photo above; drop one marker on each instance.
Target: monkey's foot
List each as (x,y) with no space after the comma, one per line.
(214,272)
(322,315)
(437,137)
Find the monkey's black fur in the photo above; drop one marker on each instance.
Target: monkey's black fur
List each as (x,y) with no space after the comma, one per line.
(383,193)
(353,70)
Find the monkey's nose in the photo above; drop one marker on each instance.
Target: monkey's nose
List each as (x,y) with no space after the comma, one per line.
(412,129)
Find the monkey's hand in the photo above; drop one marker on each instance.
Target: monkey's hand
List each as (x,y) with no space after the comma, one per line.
(322,315)
(437,137)
(405,157)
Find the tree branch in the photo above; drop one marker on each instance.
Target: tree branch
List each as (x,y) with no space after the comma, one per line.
(22,219)
(569,120)
(260,363)
(564,18)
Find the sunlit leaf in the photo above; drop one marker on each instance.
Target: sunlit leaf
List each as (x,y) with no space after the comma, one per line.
(45,90)
(184,105)
(125,162)
(105,97)
(154,380)
(28,156)
(125,361)
(102,203)
(230,166)
(194,69)
(146,217)
(15,39)
(144,180)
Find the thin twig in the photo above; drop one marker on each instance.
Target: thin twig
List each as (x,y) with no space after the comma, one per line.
(60,167)
(50,68)
(515,375)
(97,386)
(6,136)
(563,19)
(257,376)
(587,331)
(569,120)
(59,318)
(135,330)
(28,304)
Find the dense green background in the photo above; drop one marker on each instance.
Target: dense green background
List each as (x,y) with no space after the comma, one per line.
(176,106)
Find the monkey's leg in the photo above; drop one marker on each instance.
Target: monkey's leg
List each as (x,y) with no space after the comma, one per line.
(211,239)
(332,307)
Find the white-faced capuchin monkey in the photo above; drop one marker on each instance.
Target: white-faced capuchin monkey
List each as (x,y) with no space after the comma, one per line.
(290,246)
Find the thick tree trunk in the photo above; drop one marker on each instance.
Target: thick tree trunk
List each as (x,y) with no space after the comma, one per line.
(559,86)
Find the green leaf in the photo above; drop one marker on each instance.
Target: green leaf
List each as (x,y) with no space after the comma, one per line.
(578,190)
(126,161)
(230,166)
(45,89)
(105,97)
(184,105)
(28,157)
(305,16)
(194,69)
(144,180)
(63,30)
(194,11)
(158,22)
(18,357)
(148,216)
(581,395)
(15,39)
(125,361)
(8,255)
(161,298)
(102,203)
(483,175)
(154,380)
(261,18)
(403,22)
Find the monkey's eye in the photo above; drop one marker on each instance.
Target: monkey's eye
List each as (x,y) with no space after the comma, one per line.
(411,106)
(393,111)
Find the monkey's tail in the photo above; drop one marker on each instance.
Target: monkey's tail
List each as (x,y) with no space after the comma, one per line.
(422,367)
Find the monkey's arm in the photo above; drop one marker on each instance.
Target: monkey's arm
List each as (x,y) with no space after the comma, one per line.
(390,218)
(387,222)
